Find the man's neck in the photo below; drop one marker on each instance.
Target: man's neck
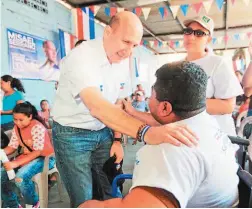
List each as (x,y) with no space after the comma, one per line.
(195,55)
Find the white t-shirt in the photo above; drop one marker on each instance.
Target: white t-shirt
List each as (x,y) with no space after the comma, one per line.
(202,176)
(87,66)
(222,84)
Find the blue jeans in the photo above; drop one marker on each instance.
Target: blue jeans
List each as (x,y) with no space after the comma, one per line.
(81,154)
(26,185)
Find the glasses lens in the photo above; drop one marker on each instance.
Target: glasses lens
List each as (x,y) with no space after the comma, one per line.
(199,33)
(188,31)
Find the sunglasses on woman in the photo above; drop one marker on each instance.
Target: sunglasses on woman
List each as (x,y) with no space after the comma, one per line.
(197,33)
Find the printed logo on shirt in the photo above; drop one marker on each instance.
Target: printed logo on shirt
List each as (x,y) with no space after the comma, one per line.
(101,87)
(122,86)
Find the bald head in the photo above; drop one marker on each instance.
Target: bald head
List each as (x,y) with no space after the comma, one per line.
(125,18)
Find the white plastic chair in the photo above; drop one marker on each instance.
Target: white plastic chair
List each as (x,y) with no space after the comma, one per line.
(239,119)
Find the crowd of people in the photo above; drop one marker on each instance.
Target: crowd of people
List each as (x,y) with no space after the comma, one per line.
(187,160)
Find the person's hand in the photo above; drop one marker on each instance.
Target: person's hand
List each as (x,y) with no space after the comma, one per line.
(250,49)
(175,134)
(128,107)
(117,150)
(10,165)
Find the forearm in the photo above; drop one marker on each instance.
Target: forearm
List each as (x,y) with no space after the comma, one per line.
(27,158)
(7,112)
(9,150)
(247,78)
(145,117)
(220,106)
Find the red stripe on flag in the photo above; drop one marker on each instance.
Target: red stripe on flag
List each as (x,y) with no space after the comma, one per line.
(92,8)
(138,11)
(72,39)
(80,24)
(113,11)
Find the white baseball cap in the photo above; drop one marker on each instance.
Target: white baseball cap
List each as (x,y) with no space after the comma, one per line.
(140,93)
(205,21)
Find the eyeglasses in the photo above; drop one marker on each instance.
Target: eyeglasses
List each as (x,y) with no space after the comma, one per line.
(197,33)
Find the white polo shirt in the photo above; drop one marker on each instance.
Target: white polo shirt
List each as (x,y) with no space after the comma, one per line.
(203,176)
(87,66)
(222,84)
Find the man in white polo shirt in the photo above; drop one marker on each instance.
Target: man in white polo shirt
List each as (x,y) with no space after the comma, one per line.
(91,81)
(169,176)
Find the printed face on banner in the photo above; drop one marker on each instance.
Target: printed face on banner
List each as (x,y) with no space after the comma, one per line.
(31,57)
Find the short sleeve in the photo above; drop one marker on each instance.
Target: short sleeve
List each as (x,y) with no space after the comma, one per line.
(225,83)
(19,96)
(38,136)
(174,169)
(14,140)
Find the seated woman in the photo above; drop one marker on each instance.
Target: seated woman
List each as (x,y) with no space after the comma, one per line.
(29,133)
(45,111)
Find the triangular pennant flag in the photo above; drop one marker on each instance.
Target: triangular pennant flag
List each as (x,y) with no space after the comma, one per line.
(242,36)
(197,7)
(146,12)
(171,44)
(120,9)
(219,3)
(160,43)
(226,38)
(207,5)
(107,11)
(145,43)
(232,1)
(237,37)
(246,2)
(151,43)
(113,11)
(249,35)
(181,43)
(161,11)
(141,43)
(177,44)
(219,40)
(174,10)
(165,12)
(214,40)
(164,44)
(184,9)
(96,9)
(155,43)
(138,11)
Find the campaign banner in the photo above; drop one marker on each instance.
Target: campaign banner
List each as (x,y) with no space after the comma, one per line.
(31,57)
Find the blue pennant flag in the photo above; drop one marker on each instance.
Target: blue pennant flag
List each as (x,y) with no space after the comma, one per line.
(237,37)
(145,43)
(160,43)
(177,44)
(219,3)
(161,10)
(214,40)
(107,11)
(184,8)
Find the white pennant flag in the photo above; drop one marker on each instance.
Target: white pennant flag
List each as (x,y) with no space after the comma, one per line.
(174,10)
(219,40)
(246,2)
(151,43)
(181,43)
(164,43)
(120,9)
(207,5)
(242,36)
(146,12)
(96,9)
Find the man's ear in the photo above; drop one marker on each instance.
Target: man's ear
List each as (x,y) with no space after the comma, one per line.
(107,30)
(164,109)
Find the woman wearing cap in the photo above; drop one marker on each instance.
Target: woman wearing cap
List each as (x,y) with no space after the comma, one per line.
(223,86)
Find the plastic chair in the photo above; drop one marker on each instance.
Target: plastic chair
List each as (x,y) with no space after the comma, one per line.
(241,116)
(245,121)
(114,183)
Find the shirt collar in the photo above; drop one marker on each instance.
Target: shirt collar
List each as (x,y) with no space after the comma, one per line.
(199,117)
(102,54)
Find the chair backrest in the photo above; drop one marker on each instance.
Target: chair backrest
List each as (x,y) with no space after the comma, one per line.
(245,189)
(244,123)
(240,117)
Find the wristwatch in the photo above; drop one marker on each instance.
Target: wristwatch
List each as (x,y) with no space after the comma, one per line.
(118,140)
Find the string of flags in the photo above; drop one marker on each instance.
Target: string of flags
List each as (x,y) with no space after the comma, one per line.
(179,43)
(172,10)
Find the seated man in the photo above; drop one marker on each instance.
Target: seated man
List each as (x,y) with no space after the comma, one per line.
(169,176)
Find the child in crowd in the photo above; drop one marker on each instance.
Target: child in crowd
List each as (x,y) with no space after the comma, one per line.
(30,135)
(45,111)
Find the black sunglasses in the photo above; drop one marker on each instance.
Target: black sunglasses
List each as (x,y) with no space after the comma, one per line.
(197,33)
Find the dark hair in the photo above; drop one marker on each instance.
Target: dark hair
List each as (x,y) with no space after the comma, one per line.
(15,83)
(28,109)
(183,84)
(79,42)
(43,100)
